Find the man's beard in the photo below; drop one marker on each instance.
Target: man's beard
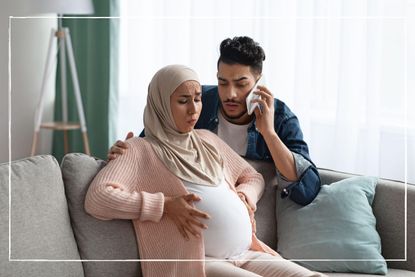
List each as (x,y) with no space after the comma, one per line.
(234,117)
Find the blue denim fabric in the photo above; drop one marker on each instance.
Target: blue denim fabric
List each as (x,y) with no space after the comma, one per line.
(288,129)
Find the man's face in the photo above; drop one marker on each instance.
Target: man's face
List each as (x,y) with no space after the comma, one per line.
(234,83)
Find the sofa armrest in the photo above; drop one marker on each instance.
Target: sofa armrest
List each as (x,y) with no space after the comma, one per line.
(396,218)
(393,221)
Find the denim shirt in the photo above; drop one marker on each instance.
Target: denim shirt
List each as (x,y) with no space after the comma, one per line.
(288,129)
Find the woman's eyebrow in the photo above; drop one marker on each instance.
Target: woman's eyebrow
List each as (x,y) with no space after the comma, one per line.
(188,95)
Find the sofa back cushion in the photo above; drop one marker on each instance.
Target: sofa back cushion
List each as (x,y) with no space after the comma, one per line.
(97,239)
(39,218)
(265,216)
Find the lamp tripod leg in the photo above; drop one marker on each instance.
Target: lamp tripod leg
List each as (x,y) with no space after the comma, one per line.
(77,90)
(34,143)
(39,108)
(86,143)
(65,142)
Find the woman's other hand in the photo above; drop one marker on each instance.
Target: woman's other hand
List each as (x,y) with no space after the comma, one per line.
(118,147)
(184,215)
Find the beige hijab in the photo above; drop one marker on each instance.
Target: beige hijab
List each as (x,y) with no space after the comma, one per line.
(186,155)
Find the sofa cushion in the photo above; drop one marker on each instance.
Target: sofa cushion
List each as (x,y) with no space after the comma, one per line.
(40,226)
(394,208)
(266,221)
(391,273)
(338,227)
(97,239)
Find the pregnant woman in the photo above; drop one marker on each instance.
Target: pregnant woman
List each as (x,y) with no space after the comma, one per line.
(190,197)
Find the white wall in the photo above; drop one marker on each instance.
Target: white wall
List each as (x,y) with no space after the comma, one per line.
(29,38)
(411,74)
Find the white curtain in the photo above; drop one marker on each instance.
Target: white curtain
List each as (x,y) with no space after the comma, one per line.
(340,65)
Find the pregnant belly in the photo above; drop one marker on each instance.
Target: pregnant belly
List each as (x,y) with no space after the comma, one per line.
(229,230)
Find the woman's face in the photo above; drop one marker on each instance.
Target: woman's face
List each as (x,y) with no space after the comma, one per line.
(186,105)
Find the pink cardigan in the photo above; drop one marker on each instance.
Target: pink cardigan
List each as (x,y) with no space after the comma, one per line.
(133,187)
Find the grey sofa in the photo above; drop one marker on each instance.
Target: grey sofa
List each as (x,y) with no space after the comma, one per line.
(51,235)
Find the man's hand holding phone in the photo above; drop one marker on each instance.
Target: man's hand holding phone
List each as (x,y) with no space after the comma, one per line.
(252,96)
(261,102)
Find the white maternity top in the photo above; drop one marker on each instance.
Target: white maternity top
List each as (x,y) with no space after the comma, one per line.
(229,231)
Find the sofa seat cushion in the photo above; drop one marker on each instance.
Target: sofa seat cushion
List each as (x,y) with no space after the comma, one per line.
(97,239)
(40,224)
(391,273)
(337,230)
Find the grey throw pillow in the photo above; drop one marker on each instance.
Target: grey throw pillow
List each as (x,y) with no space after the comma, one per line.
(97,239)
(40,224)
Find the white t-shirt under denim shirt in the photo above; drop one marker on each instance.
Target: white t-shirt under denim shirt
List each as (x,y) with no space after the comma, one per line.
(229,232)
(233,134)
(236,136)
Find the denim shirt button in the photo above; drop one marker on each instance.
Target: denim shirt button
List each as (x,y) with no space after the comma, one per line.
(284,193)
(216,120)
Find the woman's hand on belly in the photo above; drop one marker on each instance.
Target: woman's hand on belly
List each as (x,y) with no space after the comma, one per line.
(184,215)
(250,211)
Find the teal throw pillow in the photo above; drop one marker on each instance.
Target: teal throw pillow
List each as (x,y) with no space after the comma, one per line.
(337,230)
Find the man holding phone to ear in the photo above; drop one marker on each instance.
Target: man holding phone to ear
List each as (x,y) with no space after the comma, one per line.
(271,133)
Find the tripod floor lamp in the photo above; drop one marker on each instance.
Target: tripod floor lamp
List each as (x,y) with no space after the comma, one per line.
(65,50)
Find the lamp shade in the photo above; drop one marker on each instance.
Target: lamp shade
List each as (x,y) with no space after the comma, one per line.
(62,6)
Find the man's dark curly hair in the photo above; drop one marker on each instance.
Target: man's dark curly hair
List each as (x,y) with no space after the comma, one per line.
(242,50)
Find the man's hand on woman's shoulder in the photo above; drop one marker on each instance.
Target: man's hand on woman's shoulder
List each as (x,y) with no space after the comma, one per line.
(119,147)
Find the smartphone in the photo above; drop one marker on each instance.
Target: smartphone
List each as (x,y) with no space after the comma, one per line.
(252,96)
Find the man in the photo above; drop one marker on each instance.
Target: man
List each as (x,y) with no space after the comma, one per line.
(272,133)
